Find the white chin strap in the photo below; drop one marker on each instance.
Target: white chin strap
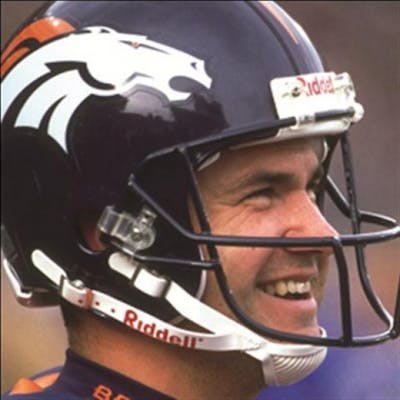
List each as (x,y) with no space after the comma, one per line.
(282,364)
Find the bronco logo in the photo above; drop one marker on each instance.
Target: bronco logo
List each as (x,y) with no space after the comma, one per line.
(48,84)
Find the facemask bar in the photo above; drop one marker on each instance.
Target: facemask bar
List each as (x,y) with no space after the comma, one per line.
(356,217)
(253,133)
(377,219)
(189,152)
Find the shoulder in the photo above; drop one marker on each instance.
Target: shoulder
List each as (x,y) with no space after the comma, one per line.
(35,387)
(81,379)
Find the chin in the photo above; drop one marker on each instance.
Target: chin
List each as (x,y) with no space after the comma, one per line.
(312,330)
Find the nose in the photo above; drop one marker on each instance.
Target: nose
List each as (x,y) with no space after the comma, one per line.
(306,220)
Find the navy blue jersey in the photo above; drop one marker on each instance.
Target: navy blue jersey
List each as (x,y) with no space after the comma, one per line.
(81,379)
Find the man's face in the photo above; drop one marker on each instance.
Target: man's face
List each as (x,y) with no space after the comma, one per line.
(269,190)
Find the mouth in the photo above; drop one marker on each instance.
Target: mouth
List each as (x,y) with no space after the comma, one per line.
(290,305)
(288,289)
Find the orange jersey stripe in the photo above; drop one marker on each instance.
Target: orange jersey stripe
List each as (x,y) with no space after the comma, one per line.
(25,386)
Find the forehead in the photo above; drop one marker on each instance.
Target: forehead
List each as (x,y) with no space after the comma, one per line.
(304,154)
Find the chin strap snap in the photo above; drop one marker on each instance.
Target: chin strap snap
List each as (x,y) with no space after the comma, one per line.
(281,363)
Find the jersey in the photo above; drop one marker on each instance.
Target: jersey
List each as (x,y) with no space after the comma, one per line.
(81,379)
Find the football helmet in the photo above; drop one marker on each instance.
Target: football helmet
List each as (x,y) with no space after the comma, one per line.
(108,110)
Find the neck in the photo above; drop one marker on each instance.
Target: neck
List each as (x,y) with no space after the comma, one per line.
(181,373)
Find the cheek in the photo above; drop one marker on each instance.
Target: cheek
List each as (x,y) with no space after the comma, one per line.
(245,221)
(323,269)
(242,264)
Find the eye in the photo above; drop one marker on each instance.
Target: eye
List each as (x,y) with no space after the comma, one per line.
(313,195)
(313,190)
(265,192)
(260,199)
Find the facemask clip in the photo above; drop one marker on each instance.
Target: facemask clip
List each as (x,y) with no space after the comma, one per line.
(127,232)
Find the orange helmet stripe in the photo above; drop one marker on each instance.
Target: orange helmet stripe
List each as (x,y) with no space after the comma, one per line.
(279,18)
(41,30)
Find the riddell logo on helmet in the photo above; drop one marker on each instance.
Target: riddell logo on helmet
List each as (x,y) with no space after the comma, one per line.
(316,86)
(150,329)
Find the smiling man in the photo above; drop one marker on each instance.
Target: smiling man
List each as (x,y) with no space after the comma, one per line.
(165,166)
(270,190)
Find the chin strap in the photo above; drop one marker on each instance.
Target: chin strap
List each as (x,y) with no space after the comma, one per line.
(282,364)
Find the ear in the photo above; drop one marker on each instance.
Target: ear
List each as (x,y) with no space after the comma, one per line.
(90,232)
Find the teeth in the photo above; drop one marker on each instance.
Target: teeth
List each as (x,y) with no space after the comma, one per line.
(292,287)
(282,288)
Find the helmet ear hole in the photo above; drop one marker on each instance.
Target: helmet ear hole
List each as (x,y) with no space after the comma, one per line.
(89,231)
